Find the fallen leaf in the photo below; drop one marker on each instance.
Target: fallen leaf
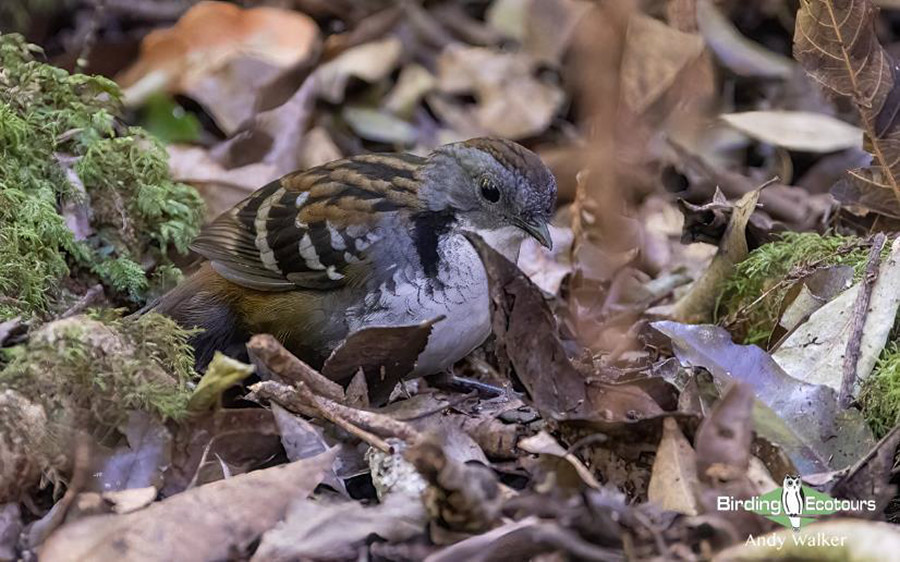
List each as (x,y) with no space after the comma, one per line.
(723,454)
(542,443)
(864,197)
(413,83)
(814,352)
(302,440)
(806,296)
(460,496)
(221,188)
(141,462)
(724,438)
(336,531)
(673,480)
(526,334)
(655,55)
(240,439)
(222,373)
(10,529)
(274,137)
(524,539)
(796,130)
(698,303)
(544,28)
(511,101)
(870,477)
(375,125)
(90,504)
(214,50)
(837,45)
(370,62)
(386,355)
(198,525)
(739,54)
(804,419)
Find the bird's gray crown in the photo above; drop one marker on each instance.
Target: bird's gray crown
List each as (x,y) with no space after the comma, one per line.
(496,178)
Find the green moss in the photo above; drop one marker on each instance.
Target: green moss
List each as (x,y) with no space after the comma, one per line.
(880,393)
(103,365)
(61,147)
(751,297)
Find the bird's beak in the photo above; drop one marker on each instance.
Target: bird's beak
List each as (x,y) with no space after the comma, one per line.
(540,232)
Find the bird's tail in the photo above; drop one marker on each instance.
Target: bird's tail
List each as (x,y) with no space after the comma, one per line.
(795,523)
(201,302)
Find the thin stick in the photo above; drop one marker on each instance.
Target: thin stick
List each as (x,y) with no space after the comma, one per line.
(860,312)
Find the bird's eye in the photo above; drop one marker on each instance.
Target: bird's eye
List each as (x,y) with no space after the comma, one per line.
(489,190)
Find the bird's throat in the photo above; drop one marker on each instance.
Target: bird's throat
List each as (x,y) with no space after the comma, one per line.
(507,240)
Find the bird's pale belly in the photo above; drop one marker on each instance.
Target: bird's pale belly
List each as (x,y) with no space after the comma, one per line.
(459,294)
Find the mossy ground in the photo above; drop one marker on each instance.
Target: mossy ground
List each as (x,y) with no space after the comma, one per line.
(62,147)
(104,365)
(85,199)
(751,299)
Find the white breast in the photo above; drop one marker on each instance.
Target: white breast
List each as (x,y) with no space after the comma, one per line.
(460,295)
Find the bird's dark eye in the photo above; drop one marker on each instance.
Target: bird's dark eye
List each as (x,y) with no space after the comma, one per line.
(489,190)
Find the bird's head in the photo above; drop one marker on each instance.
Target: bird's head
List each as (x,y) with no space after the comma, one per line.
(495,188)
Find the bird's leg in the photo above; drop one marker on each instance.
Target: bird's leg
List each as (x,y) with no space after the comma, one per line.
(455,383)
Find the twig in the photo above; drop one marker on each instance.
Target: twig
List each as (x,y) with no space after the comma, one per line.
(860,313)
(90,35)
(92,295)
(285,364)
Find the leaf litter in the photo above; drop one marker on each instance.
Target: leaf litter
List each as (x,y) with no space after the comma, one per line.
(619,394)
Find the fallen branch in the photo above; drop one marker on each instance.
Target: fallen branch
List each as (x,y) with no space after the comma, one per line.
(860,312)
(286,365)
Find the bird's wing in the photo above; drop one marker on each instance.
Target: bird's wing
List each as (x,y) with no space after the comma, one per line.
(311,229)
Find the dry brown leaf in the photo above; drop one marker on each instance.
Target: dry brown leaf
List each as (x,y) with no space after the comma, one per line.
(796,130)
(543,27)
(741,55)
(655,55)
(512,102)
(808,295)
(335,531)
(212,522)
(370,62)
(542,443)
(214,50)
(385,354)
(527,339)
(141,462)
(673,480)
(836,44)
(697,305)
(220,188)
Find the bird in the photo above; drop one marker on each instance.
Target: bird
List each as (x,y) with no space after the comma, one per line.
(793,500)
(373,240)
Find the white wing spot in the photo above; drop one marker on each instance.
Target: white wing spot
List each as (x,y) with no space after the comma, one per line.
(262,216)
(308,253)
(337,241)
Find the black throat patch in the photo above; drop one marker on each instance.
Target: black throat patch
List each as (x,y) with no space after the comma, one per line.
(427,229)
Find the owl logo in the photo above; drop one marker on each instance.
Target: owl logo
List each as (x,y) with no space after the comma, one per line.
(792,500)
